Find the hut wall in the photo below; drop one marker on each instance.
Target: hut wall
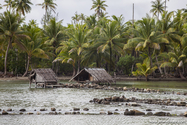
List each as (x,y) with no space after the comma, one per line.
(91,78)
(39,79)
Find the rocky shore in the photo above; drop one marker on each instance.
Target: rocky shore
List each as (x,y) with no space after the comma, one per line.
(113,88)
(136,102)
(86,111)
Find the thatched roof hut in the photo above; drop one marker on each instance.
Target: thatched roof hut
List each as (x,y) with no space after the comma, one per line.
(94,75)
(43,77)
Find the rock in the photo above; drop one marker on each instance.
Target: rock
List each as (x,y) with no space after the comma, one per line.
(102,113)
(116,113)
(115,99)
(110,113)
(121,99)
(116,110)
(22,110)
(135,104)
(124,88)
(168,114)
(9,110)
(138,112)
(95,100)
(148,109)
(106,102)
(149,113)
(185,114)
(38,113)
(178,93)
(76,109)
(53,109)
(42,109)
(127,112)
(181,104)
(53,113)
(67,113)
(108,99)
(30,113)
(160,114)
(86,109)
(4,113)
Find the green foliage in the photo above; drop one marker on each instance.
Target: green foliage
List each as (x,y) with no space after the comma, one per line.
(144,69)
(125,64)
(92,41)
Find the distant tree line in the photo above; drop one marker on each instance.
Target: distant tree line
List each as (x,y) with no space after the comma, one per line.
(154,45)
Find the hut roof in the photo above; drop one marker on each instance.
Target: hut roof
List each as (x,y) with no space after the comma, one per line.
(43,75)
(99,74)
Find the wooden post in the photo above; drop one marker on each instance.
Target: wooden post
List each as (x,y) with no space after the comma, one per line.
(35,85)
(44,85)
(29,84)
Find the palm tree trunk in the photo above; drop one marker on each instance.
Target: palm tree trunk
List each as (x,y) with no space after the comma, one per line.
(110,60)
(28,61)
(151,63)
(180,73)
(6,55)
(74,70)
(78,69)
(146,77)
(158,64)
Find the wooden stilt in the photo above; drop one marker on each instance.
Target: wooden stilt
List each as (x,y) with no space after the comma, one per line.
(29,84)
(44,85)
(35,85)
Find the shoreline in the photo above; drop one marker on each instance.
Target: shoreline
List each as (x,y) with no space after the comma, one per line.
(118,78)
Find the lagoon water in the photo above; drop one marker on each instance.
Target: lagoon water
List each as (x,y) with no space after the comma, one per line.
(17,95)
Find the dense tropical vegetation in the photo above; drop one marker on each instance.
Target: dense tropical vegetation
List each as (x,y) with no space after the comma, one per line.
(155,46)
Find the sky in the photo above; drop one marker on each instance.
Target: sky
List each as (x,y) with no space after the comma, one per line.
(67,8)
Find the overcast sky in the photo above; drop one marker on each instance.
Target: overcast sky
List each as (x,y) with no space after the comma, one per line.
(67,8)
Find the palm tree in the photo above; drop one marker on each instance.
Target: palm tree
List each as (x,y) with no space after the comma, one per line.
(34,46)
(23,6)
(99,5)
(165,4)
(75,18)
(144,69)
(91,21)
(82,18)
(166,28)
(53,32)
(9,29)
(65,57)
(9,4)
(179,21)
(110,40)
(78,38)
(177,59)
(157,7)
(147,39)
(48,5)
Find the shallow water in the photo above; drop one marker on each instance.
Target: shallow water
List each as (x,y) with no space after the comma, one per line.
(17,95)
